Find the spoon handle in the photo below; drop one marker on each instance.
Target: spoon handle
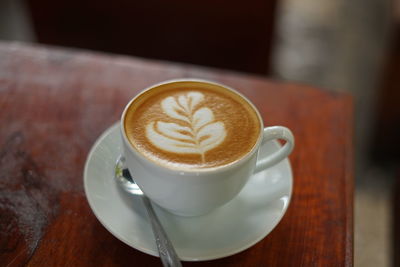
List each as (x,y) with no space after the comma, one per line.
(165,249)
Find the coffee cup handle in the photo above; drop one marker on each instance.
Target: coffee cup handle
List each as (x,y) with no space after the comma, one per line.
(272,133)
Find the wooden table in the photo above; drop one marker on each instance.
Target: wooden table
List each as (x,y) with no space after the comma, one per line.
(54,103)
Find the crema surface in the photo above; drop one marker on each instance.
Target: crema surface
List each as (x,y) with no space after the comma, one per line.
(191,125)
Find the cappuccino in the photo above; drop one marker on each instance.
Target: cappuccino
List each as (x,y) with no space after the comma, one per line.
(191,125)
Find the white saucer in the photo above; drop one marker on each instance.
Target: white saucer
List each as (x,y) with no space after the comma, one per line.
(236,226)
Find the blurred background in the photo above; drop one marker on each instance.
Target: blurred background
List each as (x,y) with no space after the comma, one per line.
(337,45)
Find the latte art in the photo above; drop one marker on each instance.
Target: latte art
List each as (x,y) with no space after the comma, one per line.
(197,131)
(190,125)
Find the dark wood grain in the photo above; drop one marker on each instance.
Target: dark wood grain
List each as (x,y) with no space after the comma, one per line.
(54,104)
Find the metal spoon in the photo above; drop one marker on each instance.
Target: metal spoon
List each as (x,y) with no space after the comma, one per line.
(165,249)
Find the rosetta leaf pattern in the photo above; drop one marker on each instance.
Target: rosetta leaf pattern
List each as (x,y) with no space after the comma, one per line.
(197,131)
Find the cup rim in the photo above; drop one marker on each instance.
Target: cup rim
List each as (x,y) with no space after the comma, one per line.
(194,170)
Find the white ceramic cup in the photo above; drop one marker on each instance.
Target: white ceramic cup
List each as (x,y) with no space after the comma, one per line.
(197,192)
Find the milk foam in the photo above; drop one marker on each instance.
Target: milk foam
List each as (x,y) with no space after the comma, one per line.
(191,125)
(197,131)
